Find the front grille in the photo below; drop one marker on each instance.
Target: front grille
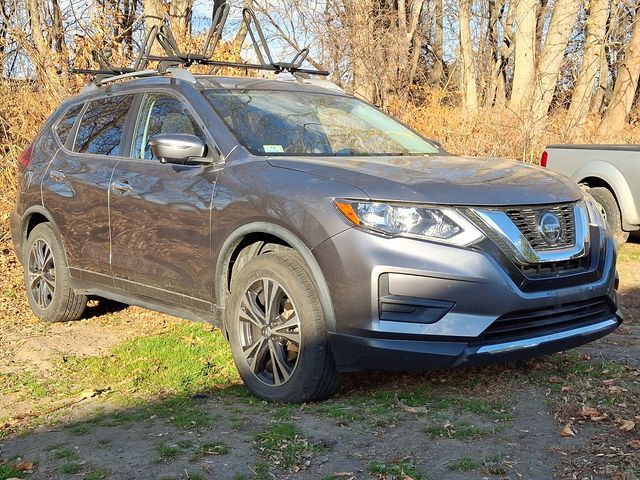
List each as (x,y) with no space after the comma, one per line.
(563,267)
(527,220)
(530,323)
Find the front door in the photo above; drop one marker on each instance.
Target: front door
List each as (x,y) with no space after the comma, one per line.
(160,213)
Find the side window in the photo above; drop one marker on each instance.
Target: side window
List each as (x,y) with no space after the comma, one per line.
(161,113)
(101,126)
(66,123)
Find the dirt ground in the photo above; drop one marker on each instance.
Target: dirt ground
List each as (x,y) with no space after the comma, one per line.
(570,415)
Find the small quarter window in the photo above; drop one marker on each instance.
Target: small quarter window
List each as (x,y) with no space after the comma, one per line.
(66,123)
(102,124)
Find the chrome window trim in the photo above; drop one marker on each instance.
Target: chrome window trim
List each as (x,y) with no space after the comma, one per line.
(500,223)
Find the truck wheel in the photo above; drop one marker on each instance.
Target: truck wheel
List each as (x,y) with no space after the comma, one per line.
(277,330)
(46,278)
(610,211)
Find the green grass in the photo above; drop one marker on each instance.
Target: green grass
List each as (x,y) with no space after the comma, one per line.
(260,471)
(66,453)
(629,253)
(168,453)
(210,449)
(184,360)
(466,464)
(99,474)
(8,471)
(396,469)
(70,468)
(282,441)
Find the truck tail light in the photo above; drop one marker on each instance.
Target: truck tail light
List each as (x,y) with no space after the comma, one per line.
(25,156)
(543,159)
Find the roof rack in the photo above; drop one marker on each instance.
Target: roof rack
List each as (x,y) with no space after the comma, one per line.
(173,57)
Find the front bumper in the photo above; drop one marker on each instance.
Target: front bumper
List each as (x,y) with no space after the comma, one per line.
(403,304)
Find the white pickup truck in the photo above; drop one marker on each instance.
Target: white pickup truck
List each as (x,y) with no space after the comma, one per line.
(610,173)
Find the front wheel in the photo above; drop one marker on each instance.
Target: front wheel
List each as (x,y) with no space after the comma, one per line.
(277,330)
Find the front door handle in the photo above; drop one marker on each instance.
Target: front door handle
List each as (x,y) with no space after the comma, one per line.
(121,186)
(56,175)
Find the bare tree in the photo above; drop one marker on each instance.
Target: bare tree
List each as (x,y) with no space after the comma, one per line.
(563,19)
(598,13)
(525,54)
(624,90)
(469,81)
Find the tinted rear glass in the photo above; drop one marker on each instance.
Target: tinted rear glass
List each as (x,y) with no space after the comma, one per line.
(67,122)
(101,127)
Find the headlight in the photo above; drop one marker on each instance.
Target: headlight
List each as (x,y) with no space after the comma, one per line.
(440,224)
(595,212)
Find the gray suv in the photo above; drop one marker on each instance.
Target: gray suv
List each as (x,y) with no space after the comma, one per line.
(319,234)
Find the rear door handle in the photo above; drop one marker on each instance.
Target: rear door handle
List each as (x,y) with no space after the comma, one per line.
(56,175)
(121,186)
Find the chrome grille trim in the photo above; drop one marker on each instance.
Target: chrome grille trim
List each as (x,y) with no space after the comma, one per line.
(527,220)
(499,226)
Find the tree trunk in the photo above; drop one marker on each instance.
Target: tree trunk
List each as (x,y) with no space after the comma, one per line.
(437,74)
(525,56)
(563,19)
(624,90)
(241,34)
(468,77)
(180,12)
(591,60)
(41,57)
(603,83)
(153,17)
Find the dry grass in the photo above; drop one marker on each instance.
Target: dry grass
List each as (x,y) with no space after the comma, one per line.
(495,132)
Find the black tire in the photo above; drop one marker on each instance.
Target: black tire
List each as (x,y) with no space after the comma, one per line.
(48,286)
(611,211)
(309,364)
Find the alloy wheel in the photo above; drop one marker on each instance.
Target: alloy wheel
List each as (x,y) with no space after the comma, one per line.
(270,334)
(41,274)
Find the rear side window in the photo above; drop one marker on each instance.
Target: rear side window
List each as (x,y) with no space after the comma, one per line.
(66,123)
(102,124)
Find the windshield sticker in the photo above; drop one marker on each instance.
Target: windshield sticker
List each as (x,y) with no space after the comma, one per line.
(273,148)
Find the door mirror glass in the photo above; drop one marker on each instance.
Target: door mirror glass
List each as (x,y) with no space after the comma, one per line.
(178,148)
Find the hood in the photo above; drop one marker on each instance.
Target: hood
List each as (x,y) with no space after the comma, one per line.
(443,179)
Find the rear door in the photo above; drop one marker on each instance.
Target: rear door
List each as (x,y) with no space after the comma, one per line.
(160,213)
(76,186)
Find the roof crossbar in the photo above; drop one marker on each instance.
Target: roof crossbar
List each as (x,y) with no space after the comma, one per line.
(173,57)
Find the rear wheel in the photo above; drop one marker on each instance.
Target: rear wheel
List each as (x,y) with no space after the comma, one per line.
(46,277)
(277,330)
(611,212)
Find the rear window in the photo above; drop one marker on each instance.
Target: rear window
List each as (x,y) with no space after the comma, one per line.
(102,124)
(67,122)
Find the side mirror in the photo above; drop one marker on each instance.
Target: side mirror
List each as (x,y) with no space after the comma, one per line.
(179,148)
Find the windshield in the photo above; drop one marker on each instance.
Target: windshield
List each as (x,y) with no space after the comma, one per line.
(270,122)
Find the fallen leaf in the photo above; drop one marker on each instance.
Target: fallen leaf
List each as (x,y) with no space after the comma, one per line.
(598,419)
(567,431)
(409,409)
(634,443)
(589,412)
(627,425)
(24,466)
(555,379)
